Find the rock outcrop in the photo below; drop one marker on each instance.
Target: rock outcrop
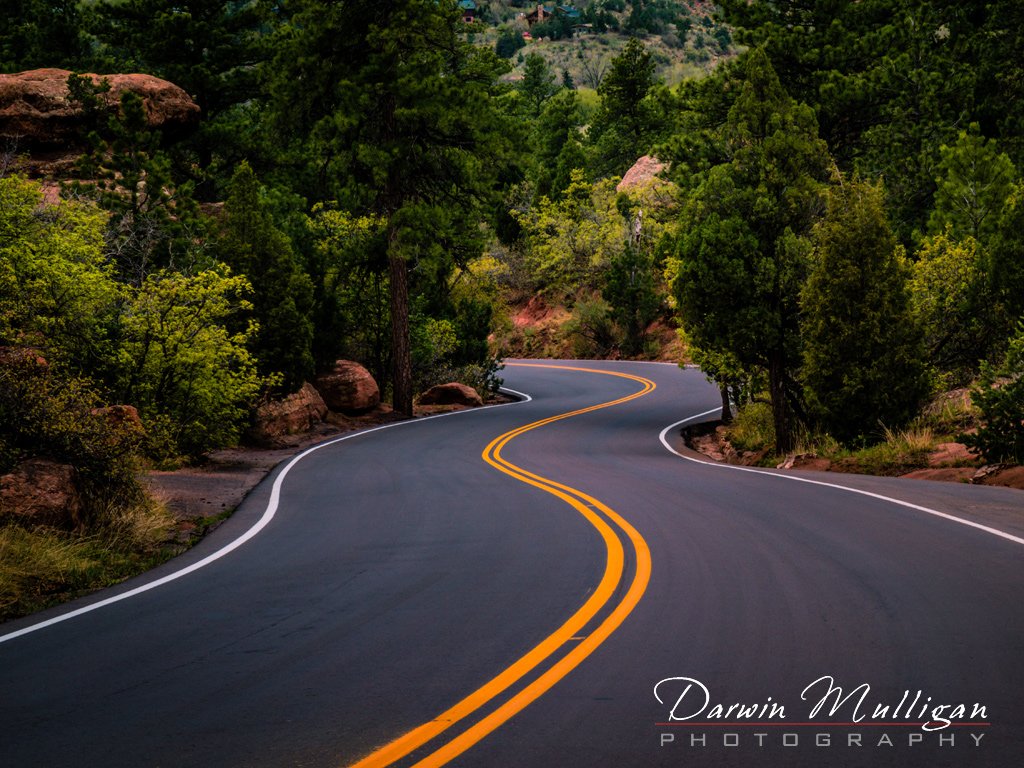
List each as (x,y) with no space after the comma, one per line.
(451,394)
(643,171)
(41,492)
(38,116)
(348,388)
(291,415)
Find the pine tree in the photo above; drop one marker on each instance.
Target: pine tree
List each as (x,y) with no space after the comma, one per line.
(282,295)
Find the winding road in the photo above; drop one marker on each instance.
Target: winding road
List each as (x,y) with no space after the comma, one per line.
(555,582)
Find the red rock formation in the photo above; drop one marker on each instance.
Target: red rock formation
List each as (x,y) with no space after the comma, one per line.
(451,394)
(298,412)
(41,492)
(37,116)
(644,170)
(348,388)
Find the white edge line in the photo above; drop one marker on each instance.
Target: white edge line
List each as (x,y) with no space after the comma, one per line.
(268,515)
(918,507)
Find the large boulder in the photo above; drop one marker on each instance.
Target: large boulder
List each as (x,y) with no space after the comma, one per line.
(451,394)
(296,413)
(348,388)
(41,492)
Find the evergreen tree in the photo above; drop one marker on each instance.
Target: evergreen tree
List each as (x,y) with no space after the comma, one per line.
(974,181)
(745,249)
(282,295)
(42,33)
(863,356)
(538,83)
(628,120)
(396,111)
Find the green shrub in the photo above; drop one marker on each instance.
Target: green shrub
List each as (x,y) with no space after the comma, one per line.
(1000,398)
(753,428)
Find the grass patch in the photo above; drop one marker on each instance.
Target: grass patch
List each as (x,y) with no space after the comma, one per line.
(41,567)
(753,429)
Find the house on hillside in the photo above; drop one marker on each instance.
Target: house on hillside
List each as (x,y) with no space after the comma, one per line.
(469,10)
(540,13)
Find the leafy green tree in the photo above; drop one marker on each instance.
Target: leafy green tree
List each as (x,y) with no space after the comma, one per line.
(399,114)
(557,145)
(1004,262)
(570,242)
(744,251)
(973,184)
(154,222)
(192,378)
(210,48)
(282,294)
(57,290)
(509,41)
(953,305)
(1000,398)
(863,356)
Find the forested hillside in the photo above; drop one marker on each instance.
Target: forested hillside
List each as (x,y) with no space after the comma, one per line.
(830,209)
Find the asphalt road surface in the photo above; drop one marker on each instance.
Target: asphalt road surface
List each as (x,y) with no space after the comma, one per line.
(517,586)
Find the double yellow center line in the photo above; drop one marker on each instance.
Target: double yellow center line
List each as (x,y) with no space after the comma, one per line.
(612,527)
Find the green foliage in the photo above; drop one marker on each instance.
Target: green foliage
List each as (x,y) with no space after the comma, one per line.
(744,251)
(282,295)
(538,83)
(999,396)
(630,118)
(191,377)
(397,117)
(572,241)
(631,291)
(974,182)
(509,41)
(154,223)
(44,413)
(753,429)
(952,304)
(591,329)
(41,33)
(57,290)
(863,357)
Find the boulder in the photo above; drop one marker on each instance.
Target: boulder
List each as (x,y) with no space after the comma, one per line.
(122,417)
(643,171)
(348,388)
(41,492)
(38,117)
(451,394)
(298,412)
(23,357)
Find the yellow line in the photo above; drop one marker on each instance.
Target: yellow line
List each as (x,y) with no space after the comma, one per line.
(610,580)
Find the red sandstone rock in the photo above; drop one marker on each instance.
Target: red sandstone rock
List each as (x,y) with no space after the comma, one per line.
(348,388)
(644,170)
(451,394)
(36,112)
(298,412)
(41,492)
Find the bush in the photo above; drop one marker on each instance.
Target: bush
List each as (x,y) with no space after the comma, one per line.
(1000,398)
(44,414)
(753,429)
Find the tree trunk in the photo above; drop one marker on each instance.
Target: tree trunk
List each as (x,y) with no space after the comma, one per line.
(401,356)
(726,405)
(780,407)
